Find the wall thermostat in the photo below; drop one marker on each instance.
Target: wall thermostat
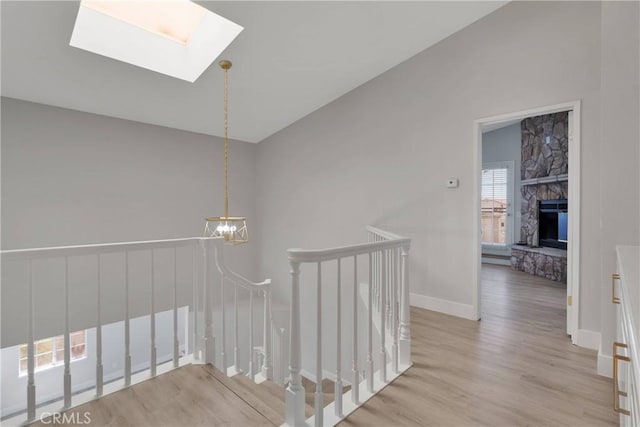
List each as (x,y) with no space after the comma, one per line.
(452,183)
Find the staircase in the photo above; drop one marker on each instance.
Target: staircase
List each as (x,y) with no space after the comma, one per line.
(231,366)
(383,262)
(217,317)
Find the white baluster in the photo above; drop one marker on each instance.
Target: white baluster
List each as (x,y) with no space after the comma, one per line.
(383,315)
(355,385)
(194,279)
(267,367)
(99,368)
(127,337)
(338,384)
(209,344)
(405,323)
(319,403)
(281,360)
(394,309)
(236,350)
(67,338)
(251,370)
(389,288)
(176,342)
(31,383)
(223,354)
(376,277)
(369,366)
(274,354)
(294,395)
(379,274)
(153,318)
(219,259)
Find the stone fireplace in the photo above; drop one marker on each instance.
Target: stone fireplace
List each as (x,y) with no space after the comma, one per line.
(545,148)
(544,178)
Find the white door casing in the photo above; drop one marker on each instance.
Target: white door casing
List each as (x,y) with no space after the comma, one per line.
(573,244)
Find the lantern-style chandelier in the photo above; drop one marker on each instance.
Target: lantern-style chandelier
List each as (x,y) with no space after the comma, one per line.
(232,228)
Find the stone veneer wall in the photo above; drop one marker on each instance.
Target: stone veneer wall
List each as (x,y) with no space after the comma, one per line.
(544,262)
(530,196)
(539,160)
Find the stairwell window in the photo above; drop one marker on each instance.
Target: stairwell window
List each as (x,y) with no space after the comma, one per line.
(49,352)
(496,201)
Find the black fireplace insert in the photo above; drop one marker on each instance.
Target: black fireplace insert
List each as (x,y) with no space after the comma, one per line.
(552,223)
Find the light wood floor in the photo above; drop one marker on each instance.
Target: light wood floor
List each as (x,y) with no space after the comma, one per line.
(516,367)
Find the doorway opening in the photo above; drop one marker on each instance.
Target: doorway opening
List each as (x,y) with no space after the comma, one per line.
(528,199)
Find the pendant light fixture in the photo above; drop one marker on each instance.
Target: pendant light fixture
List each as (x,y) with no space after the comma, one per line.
(232,228)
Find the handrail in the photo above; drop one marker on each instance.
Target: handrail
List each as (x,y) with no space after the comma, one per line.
(237,278)
(93,249)
(318,255)
(386,234)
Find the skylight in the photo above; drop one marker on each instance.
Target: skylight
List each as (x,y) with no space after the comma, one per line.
(174,37)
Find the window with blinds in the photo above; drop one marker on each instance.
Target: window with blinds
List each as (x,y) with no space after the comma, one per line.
(494,204)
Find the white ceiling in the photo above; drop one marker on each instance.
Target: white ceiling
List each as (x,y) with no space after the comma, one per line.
(291,59)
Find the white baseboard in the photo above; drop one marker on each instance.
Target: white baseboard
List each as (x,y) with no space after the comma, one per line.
(452,308)
(588,339)
(605,365)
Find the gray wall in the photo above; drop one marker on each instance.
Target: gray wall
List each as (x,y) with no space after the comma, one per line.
(77,178)
(619,153)
(382,153)
(502,145)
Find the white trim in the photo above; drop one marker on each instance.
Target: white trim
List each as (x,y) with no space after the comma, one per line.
(451,308)
(573,255)
(605,365)
(587,339)
(573,245)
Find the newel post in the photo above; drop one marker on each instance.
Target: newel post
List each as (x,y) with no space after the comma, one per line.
(294,394)
(405,322)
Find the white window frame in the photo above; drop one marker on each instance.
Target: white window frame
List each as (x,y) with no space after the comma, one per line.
(509,165)
(55,362)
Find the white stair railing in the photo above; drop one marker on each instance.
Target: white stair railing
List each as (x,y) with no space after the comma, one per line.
(262,288)
(395,299)
(386,258)
(202,348)
(279,366)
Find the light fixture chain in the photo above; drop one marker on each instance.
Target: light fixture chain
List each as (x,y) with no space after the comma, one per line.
(226,143)
(232,229)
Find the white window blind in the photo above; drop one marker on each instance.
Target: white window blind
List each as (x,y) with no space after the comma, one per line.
(494,205)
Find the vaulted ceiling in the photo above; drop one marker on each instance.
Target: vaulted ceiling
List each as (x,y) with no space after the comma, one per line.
(291,59)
